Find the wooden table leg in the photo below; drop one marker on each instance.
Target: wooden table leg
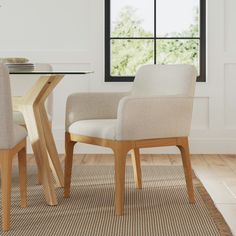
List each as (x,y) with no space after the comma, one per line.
(36,135)
(40,134)
(17,106)
(52,150)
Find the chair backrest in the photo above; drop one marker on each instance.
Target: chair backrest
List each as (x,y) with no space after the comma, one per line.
(165,80)
(6,116)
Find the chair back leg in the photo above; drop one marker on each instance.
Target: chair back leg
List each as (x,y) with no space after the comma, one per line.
(6,171)
(69,147)
(184,149)
(22,176)
(135,157)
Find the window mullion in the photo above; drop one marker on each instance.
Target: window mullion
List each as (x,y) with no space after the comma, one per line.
(156,44)
(155,32)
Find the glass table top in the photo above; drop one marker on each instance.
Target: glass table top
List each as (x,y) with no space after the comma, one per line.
(45,69)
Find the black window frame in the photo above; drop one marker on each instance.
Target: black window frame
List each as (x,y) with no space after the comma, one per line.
(108,38)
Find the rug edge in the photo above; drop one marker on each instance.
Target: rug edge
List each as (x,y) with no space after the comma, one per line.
(216,215)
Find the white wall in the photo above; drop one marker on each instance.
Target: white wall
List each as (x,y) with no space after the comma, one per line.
(72,31)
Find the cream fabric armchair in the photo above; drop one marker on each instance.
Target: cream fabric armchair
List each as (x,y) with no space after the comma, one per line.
(157,112)
(12,142)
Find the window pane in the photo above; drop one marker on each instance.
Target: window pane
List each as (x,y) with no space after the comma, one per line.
(178,18)
(128,55)
(132,18)
(185,51)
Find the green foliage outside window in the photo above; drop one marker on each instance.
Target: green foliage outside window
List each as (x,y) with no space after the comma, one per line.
(128,54)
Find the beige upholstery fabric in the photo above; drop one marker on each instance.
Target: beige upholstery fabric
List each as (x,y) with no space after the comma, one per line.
(165,80)
(87,106)
(19,134)
(159,106)
(95,128)
(153,117)
(10,133)
(18,116)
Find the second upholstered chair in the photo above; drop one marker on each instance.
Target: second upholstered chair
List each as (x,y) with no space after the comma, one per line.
(12,142)
(157,112)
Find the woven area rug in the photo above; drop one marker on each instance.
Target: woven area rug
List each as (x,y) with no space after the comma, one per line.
(160,208)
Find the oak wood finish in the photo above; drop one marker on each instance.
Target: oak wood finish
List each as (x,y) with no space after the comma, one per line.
(31,105)
(120,149)
(6,157)
(22,175)
(184,149)
(135,156)
(69,147)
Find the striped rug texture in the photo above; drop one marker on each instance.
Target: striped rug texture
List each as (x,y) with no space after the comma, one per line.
(161,208)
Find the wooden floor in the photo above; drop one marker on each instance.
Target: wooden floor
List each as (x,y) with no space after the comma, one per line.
(217,173)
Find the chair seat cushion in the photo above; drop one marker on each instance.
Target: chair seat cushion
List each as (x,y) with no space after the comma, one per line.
(101,128)
(19,119)
(20,133)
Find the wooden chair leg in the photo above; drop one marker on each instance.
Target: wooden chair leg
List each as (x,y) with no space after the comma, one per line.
(69,147)
(6,169)
(120,152)
(23,178)
(135,156)
(184,149)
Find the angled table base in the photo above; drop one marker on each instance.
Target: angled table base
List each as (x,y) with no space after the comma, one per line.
(31,105)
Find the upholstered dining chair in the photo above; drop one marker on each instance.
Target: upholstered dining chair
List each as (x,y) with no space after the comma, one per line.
(28,82)
(157,112)
(12,142)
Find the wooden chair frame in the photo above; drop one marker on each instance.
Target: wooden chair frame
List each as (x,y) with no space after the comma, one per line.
(6,156)
(120,149)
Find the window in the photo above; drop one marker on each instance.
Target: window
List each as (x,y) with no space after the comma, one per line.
(139,32)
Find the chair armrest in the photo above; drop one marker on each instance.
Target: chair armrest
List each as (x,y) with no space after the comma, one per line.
(86,106)
(154,117)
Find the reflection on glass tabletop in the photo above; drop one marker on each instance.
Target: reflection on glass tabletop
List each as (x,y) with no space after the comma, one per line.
(45,69)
